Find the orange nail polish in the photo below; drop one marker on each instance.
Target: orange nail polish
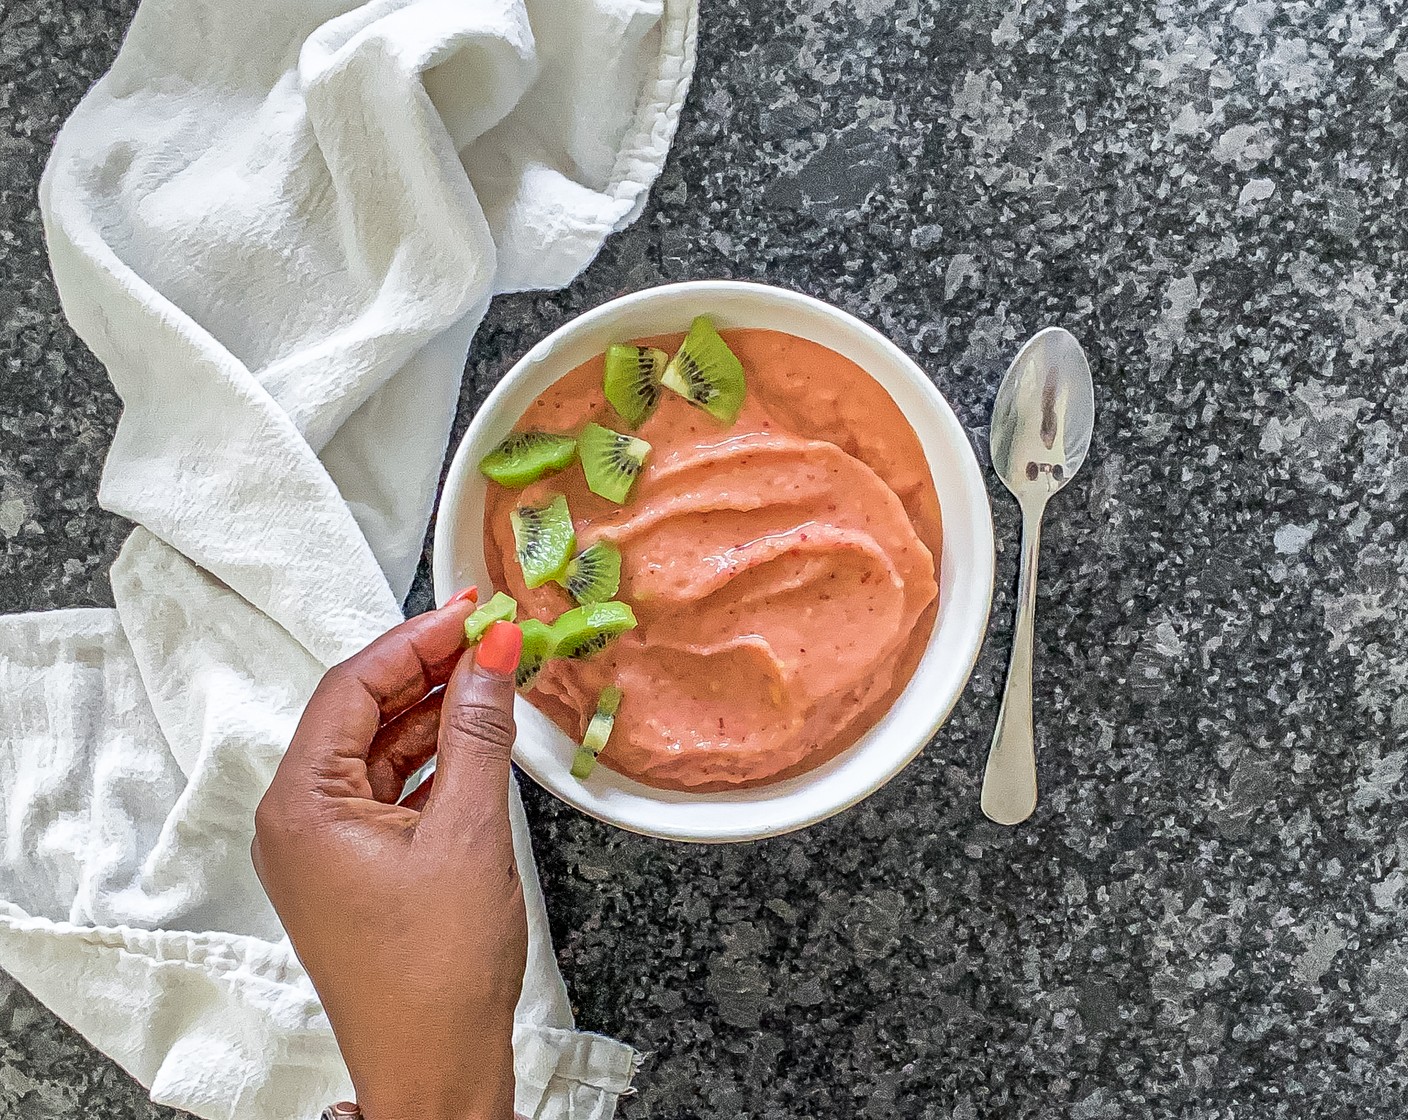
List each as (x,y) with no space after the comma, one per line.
(499,649)
(468,595)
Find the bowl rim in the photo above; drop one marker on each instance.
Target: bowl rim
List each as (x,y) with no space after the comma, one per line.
(976,605)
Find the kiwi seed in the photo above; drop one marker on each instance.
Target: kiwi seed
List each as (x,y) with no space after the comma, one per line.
(632,382)
(611,461)
(706,373)
(598,732)
(584,631)
(544,540)
(594,575)
(538,646)
(526,456)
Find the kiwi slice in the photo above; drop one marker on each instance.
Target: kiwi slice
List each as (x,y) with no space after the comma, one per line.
(501,608)
(538,645)
(594,575)
(545,540)
(526,456)
(705,372)
(584,631)
(611,461)
(633,380)
(598,732)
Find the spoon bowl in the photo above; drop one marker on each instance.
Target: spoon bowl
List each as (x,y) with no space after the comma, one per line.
(1044,415)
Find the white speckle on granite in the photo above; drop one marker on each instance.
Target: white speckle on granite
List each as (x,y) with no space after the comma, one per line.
(961,267)
(1253,16)
(1006,32)
(1294,68)
(1388,983)
(13,514)
(1277,432)
(1290,539)
(1189,122)
(1255,190)
(1386,892)
(1166,642)
(1323,944)
(1384,774)
(1180,298)
(1345,614)
(926,236)
(1098,1105)
(1244,145)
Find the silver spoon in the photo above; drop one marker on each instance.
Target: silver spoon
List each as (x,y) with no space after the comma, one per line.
(1041,426)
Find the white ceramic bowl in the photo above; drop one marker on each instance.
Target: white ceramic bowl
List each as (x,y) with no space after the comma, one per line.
(965,577)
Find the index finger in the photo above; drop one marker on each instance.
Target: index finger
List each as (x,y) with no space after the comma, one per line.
(404,664)
(391,675)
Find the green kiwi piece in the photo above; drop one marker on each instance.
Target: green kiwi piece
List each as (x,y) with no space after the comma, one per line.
(633,380)
(594,575)
(539,644)
(611,461)
(526,456)
(583,763)
(545,540)
(584,631)
(598,732)
(501,608)
(705,372)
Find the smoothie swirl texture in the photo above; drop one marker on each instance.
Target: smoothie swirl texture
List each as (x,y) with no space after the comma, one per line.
(782,569)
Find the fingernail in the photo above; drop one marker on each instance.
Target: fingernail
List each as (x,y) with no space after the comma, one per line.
(468,595)
(499,649)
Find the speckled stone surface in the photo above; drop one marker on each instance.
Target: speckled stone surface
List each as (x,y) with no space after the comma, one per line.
(1207,918)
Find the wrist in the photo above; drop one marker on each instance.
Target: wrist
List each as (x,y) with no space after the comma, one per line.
(481,1091)
(347,1110)
(412,1107)
(411,1110)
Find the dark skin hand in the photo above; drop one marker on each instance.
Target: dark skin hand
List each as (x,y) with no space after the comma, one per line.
(408,917)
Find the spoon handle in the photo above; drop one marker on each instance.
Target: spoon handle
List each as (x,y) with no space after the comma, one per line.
(1009,782)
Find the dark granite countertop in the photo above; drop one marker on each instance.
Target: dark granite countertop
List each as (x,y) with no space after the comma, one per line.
(1207,917)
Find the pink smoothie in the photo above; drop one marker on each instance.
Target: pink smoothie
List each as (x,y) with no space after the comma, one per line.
(782,569)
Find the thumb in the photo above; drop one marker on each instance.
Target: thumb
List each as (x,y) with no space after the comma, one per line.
(476,736)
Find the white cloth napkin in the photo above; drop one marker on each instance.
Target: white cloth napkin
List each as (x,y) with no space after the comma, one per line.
(278,223)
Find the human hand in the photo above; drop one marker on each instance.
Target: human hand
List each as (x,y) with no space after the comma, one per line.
(409,918)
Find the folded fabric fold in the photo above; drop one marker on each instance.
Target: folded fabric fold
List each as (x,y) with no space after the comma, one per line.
(278,223)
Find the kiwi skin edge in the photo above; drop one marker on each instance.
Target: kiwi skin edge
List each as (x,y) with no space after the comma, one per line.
(584,631)
(525,457)
(603,722)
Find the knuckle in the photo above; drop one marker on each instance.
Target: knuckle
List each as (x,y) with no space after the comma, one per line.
(277,820)
(335,675)
(266,819)
(480,724)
